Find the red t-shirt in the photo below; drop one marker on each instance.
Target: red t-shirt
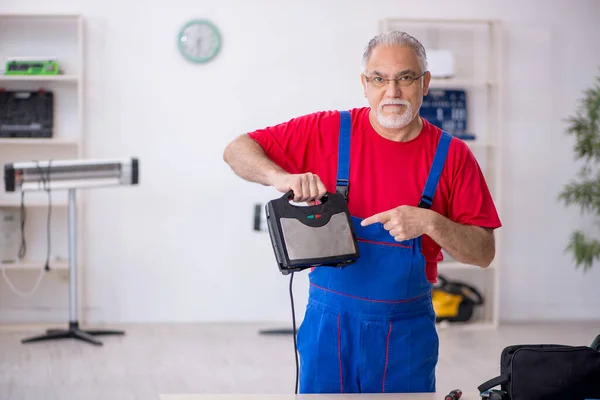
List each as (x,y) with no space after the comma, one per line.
(384,174)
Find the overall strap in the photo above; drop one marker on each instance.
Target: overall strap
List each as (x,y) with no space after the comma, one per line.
(436,170)
(342,183)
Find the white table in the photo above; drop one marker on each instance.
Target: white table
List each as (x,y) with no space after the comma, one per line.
(408,396)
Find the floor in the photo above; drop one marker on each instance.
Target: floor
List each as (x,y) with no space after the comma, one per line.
(221,358)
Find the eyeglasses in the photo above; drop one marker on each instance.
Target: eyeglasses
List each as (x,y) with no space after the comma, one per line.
(404,80)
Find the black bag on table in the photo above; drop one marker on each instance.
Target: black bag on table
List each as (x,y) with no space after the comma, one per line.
(548,372)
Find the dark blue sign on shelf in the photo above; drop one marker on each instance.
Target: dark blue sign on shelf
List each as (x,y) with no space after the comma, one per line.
(447,109)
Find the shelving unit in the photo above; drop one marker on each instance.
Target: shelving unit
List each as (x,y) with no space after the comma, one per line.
(62,265)
(44,35)
(58,78)
(477,49)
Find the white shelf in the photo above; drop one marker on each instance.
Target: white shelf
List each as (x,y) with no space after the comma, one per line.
(476,144)
(442,21)
(40,16)
(35,265)
(35,204)
(438,83)
(456,266)
(40,78)
(38,142)
(61,36)
(35,199)
(465,326)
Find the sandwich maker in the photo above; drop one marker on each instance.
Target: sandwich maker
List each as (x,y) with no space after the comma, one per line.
(311,236)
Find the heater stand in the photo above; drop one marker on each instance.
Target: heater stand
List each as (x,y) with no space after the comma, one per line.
(73,331)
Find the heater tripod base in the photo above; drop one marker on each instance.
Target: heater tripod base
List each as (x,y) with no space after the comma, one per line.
(282,331)
(74,332)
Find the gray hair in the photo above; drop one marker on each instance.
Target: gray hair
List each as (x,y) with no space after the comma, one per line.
(396,38)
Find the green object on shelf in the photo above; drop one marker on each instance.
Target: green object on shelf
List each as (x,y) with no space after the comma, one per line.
(31,67)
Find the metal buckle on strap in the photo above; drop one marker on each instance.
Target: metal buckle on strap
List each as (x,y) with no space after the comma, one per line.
(425,202)
(342,188)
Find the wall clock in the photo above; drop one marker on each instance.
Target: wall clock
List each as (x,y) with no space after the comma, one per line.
(199,41)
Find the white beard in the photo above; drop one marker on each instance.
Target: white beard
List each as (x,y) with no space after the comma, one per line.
(396,121)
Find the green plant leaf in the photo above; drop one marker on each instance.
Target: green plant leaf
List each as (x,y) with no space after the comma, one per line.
(584,192)
(585,250)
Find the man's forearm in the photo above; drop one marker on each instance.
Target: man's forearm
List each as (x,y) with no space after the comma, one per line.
(248,160)
(468,244)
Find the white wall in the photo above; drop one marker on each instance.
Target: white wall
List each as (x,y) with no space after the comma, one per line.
(180,247)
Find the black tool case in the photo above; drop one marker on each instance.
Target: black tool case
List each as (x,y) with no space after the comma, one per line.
(26,114)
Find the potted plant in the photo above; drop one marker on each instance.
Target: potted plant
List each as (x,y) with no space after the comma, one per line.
(585,191)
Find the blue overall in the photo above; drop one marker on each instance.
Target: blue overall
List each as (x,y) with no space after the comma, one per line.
(370,327)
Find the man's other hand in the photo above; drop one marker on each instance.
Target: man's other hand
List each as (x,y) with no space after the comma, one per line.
(403,223)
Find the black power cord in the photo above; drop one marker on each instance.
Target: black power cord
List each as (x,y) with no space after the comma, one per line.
(294,330)
(23,247)
(45,179)
(46,182)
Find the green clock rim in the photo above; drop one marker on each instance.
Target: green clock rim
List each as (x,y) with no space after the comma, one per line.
(216,32)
